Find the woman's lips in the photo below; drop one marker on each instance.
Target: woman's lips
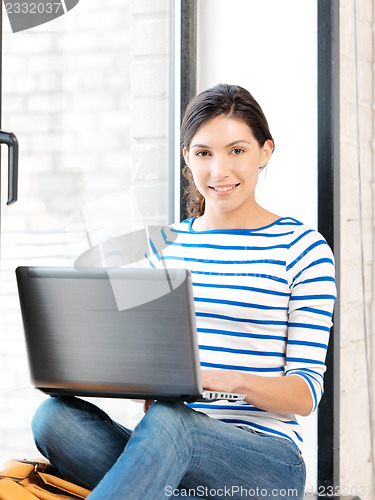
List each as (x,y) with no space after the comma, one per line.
(224,189)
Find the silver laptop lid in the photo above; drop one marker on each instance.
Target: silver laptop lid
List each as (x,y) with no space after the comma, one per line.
(82,339)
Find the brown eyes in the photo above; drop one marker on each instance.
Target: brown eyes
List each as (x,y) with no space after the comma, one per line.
(235,151)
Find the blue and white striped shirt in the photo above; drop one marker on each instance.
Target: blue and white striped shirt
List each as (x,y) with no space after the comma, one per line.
(264,300)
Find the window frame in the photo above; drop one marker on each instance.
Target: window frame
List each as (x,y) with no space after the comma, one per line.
(329,226)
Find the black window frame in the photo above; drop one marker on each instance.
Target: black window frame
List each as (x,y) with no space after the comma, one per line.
(329,226)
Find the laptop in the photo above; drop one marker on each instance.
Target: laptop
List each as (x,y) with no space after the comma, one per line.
(123,332)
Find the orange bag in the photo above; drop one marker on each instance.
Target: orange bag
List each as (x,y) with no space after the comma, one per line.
(34,479)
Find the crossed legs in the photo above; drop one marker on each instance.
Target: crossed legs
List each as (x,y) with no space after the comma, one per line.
(172,447)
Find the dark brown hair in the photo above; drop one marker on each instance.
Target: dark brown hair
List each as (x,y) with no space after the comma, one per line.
(227,100)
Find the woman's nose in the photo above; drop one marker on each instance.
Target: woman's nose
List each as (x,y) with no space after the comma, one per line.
(219,168)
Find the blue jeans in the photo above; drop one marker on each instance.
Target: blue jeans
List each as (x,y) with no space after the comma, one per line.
(173,452)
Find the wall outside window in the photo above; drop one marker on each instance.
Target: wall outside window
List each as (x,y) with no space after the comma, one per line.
(357,162)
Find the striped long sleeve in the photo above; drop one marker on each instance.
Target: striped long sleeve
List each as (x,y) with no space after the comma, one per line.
(312,285)
(263,301)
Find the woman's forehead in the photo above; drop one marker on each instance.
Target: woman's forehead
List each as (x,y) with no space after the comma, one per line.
(222,129)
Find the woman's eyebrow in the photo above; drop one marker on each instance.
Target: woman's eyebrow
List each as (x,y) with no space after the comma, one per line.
(227,146)
(236,142)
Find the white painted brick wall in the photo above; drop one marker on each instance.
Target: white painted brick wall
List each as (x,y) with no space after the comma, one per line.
(149,37)
(149,162)
(147,79)
(87,96)
(142,127)
(355,446)
(147,8)
(149,56)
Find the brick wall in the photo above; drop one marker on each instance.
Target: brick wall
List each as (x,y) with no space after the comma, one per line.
(356,467)
(87,96)
(149,84)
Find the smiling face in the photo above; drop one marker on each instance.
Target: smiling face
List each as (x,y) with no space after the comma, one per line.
(225,159)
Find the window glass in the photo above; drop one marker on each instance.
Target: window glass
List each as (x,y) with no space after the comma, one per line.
(88,97)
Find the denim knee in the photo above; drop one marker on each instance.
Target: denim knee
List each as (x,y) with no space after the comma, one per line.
(175,416)
(167,411)
(50,414)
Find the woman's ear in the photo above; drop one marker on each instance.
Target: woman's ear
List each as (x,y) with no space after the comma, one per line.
(185,152)
(267,150)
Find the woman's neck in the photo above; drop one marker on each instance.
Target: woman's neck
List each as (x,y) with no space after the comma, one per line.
(259,217)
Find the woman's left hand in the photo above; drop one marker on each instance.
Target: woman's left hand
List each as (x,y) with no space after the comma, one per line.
(286,394)
(220,380)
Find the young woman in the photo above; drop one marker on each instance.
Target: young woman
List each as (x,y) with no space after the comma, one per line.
(264,291)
